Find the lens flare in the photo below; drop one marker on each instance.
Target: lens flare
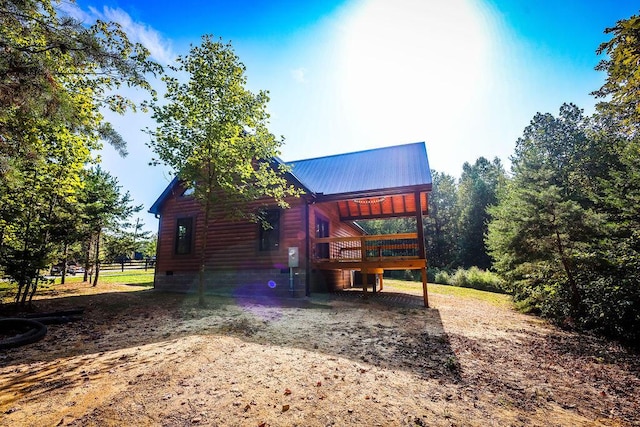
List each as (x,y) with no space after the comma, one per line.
(272,284)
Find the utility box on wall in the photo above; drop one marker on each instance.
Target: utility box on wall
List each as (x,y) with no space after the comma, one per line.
(293,257)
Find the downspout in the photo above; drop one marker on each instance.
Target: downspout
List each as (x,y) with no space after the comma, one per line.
(307,273)
(155,266)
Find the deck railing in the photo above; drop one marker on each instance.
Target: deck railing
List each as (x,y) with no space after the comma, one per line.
(366,248)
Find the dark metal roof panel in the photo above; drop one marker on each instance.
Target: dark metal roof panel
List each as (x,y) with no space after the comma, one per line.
(381,168)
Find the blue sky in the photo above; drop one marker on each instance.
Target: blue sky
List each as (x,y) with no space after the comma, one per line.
(465,76)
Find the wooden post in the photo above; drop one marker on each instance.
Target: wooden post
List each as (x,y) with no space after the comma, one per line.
(381,284)
(421,247)
(425,295)
(363,258)
(365,278)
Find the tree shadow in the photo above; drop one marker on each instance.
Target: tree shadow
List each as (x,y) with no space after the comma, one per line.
(390,331)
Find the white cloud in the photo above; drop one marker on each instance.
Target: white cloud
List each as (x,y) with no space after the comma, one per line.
(299,74)
(138,32)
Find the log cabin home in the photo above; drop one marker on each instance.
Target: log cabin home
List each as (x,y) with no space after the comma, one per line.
(316,245)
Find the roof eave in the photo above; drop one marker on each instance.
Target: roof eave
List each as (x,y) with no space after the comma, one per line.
(374,193)
(155,207)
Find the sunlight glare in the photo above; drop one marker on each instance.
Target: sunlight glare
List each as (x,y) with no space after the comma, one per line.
(418,63)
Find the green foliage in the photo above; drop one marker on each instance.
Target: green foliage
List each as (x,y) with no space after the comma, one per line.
(564,234)
(55,76)
(442,277)
(473,277)
(213,133)
(389,225)
(500,300)
(123,241)
(477,279)
(441,226)
(622,85)
(541,226)
(477,191)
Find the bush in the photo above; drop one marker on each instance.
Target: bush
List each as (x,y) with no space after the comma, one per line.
(442,277)
(476,279)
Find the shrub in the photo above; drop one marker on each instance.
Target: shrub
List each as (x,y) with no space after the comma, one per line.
(476,279)
(442,277)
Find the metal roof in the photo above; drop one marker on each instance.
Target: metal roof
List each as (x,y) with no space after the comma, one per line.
(359,174)
(366,171)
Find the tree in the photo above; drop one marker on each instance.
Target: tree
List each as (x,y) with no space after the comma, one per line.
(441,226)
(476,192)
(55,76)
(623,73)
(213,133)
(614,296)
(124,241)
(104,208)
(542,228)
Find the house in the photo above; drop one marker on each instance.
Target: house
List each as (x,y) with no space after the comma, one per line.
(316,244)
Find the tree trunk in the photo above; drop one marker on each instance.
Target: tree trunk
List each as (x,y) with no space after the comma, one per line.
(87,260)
(97,259)
(203,251)
(25,292)
(64,262)
(576,299)
(33,289)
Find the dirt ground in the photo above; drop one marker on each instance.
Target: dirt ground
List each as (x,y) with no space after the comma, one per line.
(140,357)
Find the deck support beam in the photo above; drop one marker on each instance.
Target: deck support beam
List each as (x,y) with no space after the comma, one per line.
(421,246)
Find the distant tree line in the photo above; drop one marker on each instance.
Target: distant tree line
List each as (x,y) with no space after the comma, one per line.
(458,217)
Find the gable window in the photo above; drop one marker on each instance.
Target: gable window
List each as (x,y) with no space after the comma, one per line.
(269,238)
(184,236)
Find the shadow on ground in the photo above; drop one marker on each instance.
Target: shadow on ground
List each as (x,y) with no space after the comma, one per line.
(387,329)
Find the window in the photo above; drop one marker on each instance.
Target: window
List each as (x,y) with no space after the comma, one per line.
(269,237)
(322,230)
(184,236)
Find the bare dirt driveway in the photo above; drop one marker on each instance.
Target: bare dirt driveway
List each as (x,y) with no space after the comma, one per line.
(140,357)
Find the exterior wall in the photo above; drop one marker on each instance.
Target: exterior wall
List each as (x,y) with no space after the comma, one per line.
(330,280)
(244,282)
(233,259)
(234,263)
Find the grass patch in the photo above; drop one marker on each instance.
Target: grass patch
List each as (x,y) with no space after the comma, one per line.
(496,299)
(127,277)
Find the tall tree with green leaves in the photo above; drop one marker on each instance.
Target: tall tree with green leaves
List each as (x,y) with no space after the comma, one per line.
(622,65)
(104,208)
(476,192)
(614,294)
(213,133)
(55,76)
(542,228)
(441,226)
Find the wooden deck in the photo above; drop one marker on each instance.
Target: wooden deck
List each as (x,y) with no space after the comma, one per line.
(371,255)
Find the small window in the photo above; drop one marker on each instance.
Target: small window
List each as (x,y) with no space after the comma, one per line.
(269,238)
(322,230)
(184,236)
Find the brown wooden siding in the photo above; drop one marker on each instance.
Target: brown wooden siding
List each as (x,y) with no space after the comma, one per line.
(332,279)
(232,244)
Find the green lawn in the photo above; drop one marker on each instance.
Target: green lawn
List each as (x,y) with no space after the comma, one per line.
(490,297)
(127,277)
